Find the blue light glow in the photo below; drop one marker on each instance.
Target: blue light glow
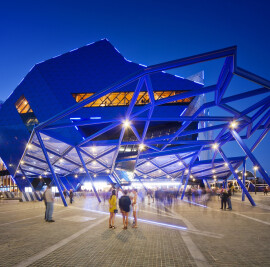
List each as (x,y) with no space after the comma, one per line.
(146,221)
(95,118)
(196,204)
(74,119)
(76,128)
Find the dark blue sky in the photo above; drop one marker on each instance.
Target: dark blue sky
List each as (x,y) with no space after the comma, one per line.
(147,32)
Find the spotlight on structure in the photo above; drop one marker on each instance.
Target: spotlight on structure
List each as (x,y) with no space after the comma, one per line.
(29,146)
(95,175)
(141,146)
(76,176)
(180,163)
(213,171)
(108,171)
(215,146)
(23,177)
(186,171)
(144,176)
(126,123)
(168,176)
(233,124)
(255,168)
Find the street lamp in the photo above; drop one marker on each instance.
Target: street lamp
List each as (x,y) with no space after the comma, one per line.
(255,168)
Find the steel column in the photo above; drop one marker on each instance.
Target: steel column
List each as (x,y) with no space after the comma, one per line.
(236,177)
(51,167)
(244,179)
(87,173)
(185,186)
(250,155)
(180,184)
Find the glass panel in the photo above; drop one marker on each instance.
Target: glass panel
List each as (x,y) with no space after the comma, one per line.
(22,105)
(123,98)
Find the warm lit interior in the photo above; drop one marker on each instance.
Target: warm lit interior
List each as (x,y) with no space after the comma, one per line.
(124,98)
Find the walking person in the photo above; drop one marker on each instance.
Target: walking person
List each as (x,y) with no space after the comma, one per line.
(49,200)
(124,205)
(71,196)
(224,199)
(112,209)
(45,203)
(135,207)
(229,199)
(265,191)
(65,193)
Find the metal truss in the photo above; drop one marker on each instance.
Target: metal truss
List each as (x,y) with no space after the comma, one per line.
(168,155)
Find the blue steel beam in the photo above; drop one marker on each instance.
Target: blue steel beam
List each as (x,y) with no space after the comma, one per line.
(224,79)
(236,177)
(180,184)
(185,186)
(242,96)
(51,167)
(250,155)
(230,51)
(252,77)
(87,173)
(244,178)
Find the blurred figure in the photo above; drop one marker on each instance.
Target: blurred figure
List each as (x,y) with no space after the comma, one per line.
(149,196)
(124,204)
(229,199)
(71,196)
(65,193)
(265,191)
(112,209)
(135,207)
(189,195)
(49,198)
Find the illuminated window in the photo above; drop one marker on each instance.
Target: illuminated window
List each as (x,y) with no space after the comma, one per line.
(23,106)
(28,117)
(124,98)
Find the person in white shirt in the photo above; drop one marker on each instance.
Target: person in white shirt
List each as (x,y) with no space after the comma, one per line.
(49,198)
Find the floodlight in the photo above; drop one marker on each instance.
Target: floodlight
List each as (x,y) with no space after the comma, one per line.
(215,146)
(141,146)
(126,123)
(233,124)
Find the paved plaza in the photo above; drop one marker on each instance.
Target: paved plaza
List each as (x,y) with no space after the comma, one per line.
(180,235)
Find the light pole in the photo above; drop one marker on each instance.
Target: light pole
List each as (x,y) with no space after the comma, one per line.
(255,168)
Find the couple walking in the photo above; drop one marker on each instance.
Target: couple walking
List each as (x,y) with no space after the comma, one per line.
(124,204)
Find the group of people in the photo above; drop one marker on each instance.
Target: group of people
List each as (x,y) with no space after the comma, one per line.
(225,196)
(126,199)
(71,195)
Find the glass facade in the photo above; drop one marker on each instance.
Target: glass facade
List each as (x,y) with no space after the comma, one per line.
(6,182)
(123,98)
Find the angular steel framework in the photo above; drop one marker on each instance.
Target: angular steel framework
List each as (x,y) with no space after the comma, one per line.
(166,155)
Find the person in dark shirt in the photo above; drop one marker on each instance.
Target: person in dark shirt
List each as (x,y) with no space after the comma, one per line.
(224,199)
(124,205)
(71,194)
